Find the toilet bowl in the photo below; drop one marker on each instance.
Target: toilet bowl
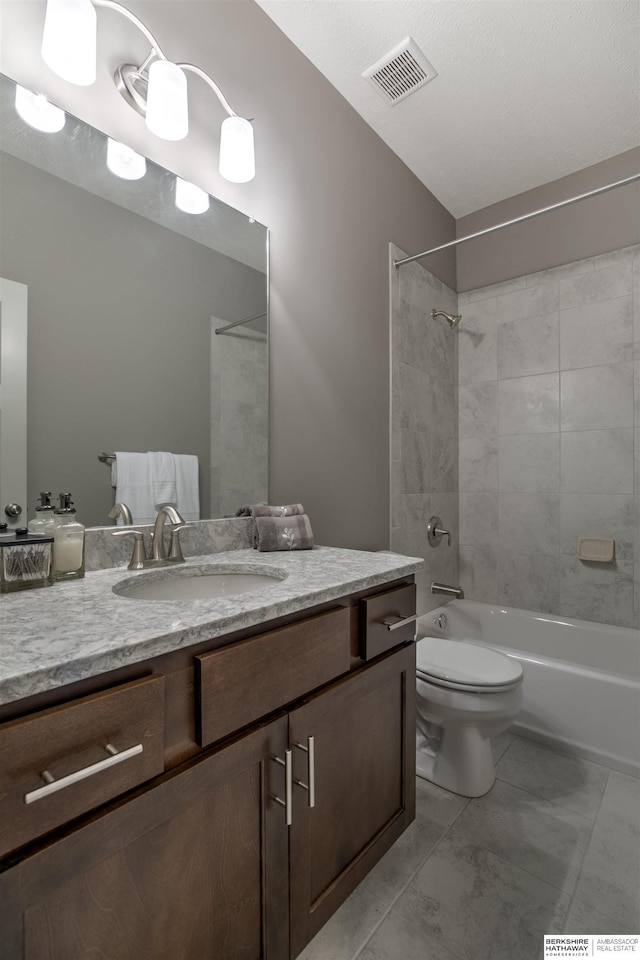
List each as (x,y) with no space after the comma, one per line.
(465,694)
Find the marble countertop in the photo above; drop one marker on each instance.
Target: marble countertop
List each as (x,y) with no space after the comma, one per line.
(56,635)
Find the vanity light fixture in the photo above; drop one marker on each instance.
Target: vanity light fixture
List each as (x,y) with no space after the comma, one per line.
(190,198)
(35,109)
(156,89)
(125,162)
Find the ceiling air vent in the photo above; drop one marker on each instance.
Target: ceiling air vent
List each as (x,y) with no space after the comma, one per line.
(403,70)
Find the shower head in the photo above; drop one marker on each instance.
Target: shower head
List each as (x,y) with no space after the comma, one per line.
(453,319)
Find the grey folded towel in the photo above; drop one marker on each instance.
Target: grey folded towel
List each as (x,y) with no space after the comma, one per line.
(265,510)
(283,533)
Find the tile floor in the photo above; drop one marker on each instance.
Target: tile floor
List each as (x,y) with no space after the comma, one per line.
(554,847)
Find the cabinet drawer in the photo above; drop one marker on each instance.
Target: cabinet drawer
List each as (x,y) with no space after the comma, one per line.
(91,750)
(238,684)
(375,635)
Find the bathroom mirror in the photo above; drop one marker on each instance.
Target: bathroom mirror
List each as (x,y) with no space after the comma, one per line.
(125,292)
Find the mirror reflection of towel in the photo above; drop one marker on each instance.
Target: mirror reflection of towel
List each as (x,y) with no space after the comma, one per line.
(133,485)
(162,470)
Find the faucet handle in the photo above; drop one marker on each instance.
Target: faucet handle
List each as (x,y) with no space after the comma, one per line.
(435,532)
(175,548)
(138,556)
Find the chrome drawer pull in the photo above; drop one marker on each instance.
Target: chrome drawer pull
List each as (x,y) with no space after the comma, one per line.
(52,785)
(310,750)
(288,785)
(396,624)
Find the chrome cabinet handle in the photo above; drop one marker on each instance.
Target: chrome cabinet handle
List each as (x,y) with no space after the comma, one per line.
(400,622)
(52,785)
(310,750)
(288,785)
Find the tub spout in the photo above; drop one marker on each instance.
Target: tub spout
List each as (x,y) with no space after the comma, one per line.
(447,589)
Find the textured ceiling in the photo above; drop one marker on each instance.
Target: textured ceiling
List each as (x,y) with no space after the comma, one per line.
(527,90)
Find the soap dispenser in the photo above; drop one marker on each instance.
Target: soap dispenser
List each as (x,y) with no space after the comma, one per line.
(68,542)
(45,515)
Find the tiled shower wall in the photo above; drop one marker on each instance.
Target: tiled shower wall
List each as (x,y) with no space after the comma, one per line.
(549,428)
(239,419)
(424,467)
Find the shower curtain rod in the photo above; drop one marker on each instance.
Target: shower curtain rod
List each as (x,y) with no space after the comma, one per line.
(236,323)
(509,223)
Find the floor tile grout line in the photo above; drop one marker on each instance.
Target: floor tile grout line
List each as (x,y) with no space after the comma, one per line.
(410,879)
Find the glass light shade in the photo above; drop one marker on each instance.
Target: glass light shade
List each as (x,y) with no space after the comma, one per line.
(125,162)
(69,40)
(35,109)
(167,109)
(189,198)
(237,157)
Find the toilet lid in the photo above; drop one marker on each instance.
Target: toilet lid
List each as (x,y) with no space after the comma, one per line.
(459,661)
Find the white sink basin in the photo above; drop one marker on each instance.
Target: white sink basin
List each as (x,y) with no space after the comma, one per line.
(197,583)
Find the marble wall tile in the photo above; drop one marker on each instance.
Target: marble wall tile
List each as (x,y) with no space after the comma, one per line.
(478,572)
(597,461)
(597,398)
(597,515)
(563,272)
(529,404)
(597,591)
(478,410)
(528,346)
(478,465)
(444,464)
(529,523)
(479,519)
(596,333)
(415,463)
(528,580)
(529,464)
(492,290)
(603,283)
(477,351)
(528,302)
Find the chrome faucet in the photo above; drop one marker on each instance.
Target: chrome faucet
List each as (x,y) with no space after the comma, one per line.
(159,556)
(177,524)
(122,510)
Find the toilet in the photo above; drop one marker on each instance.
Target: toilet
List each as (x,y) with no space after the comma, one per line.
(466,693)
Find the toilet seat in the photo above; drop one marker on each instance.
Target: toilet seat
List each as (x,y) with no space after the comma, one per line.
(462,665)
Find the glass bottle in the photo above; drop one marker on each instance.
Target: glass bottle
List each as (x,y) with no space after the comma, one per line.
(68,542)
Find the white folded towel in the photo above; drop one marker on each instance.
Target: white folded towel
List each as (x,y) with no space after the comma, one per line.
(131,478)
(187,486)
(162,471)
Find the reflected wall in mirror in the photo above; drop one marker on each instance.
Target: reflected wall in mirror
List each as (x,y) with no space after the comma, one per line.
(125,292)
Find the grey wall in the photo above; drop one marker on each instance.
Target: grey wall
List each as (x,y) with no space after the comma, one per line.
(333,195)
(549,419)
(585,229)
(424,428)
(119,333)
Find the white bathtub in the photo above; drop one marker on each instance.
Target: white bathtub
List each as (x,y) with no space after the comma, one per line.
(581,679)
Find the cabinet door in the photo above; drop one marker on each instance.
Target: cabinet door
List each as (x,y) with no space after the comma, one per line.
(194,868)
(364,744)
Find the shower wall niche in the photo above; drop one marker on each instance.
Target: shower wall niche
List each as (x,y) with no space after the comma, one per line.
(424,429)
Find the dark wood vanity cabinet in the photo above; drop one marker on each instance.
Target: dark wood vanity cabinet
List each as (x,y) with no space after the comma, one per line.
(199,862)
